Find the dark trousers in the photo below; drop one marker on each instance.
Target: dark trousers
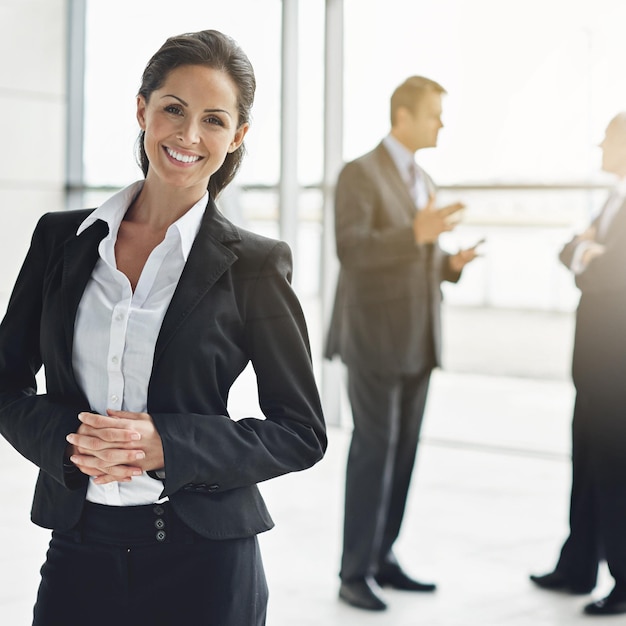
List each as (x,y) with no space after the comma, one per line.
(136,566)
(582,551)
(598,498)
(387,414)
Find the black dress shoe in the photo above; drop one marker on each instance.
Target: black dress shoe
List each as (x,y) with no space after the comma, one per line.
(613,604)
(395,578)
(556,581)
(361,594)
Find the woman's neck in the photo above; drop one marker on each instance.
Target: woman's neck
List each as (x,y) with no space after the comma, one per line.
(158,206)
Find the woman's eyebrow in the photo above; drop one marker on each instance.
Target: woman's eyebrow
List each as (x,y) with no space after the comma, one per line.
(171,95)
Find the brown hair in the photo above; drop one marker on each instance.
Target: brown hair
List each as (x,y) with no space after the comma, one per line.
(213,49)
(410,93)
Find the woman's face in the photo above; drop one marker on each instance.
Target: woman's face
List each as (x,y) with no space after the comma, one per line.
(190,124)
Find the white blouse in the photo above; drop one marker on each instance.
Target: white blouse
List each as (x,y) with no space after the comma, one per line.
(116,330)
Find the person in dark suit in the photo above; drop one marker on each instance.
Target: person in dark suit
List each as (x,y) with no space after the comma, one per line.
(143,313)
(386,328)
(597,258)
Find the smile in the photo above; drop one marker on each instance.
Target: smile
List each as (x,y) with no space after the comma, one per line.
(183,158)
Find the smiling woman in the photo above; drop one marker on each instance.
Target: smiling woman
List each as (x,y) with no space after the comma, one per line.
(143,313)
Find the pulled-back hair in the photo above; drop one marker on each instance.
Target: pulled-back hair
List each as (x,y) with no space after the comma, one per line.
(410,93)
(212,49)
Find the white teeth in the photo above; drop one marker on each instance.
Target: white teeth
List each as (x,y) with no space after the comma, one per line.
(183,158)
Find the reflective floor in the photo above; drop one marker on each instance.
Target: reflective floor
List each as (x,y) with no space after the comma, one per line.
(488,506)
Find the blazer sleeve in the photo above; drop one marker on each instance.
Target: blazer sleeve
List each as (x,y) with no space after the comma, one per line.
(217,453)
(447,273)
(365,237)
(34,424)
(566,255)
(606,272)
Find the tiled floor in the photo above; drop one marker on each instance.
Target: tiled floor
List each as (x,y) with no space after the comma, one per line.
(488,506)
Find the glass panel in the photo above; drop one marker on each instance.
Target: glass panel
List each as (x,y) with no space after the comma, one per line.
(531,85)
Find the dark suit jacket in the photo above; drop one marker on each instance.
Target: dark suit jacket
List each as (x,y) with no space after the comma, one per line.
(599,360)
(387,305)
(233,304)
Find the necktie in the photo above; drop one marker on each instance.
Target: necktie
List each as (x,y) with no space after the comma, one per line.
(413,177)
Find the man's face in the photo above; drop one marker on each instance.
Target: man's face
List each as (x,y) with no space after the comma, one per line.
(424,123)
(614,147)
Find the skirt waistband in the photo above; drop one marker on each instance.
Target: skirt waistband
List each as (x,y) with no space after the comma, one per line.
(132,525)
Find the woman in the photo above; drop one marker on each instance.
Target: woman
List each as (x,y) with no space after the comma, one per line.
(143,313)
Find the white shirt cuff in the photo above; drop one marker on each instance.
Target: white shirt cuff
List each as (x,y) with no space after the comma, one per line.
(578,265)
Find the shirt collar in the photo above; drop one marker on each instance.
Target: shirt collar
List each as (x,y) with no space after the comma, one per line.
(112,212)
(189,224)
(400,154)
(113,209)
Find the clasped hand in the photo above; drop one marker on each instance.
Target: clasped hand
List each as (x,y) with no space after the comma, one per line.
(430,221)
(115,447)
(592,249)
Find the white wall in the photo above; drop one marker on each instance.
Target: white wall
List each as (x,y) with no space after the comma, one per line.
(32,124)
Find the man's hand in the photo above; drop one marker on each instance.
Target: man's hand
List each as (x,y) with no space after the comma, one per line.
(430,221)
(593,251)
(115,447)
(459,260)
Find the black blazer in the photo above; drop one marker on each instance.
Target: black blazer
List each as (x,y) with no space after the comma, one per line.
(233,304)
(388,298)
(599,359)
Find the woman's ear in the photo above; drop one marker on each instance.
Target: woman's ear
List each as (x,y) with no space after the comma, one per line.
(141,112)
(238,138)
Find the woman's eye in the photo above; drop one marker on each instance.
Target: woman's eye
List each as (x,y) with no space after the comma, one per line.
(173,108)
(214,120)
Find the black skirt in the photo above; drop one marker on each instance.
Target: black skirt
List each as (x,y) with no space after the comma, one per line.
(141,565)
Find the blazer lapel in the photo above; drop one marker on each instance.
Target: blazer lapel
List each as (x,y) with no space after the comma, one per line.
(617,226)
(208,259)
(391,173)
(79,258)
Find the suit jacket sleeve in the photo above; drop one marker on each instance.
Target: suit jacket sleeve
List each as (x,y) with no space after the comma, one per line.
(604,273)
(566,256)
(36,425)
(567,252)
(365,238)
(218,453)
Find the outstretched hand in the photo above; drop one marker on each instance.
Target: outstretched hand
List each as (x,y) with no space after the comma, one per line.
(115,447)
(430,221)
